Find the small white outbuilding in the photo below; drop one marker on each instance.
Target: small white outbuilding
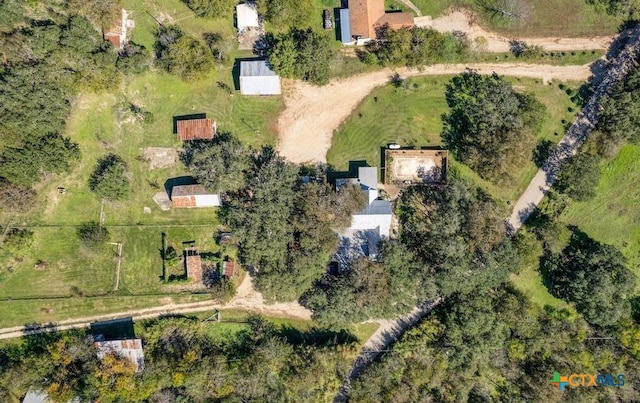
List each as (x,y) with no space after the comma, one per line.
(246,16)
(257,78)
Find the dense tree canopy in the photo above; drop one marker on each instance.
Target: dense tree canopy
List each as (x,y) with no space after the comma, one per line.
(490,127)
(38,156)
(181,54)
(303,54)
(370,289)
(494,346)
(110,179)
(620,116)
(579,177)
(220,165)
(260,211)
(185,360)
(458,234)
(593,276)
(414,47)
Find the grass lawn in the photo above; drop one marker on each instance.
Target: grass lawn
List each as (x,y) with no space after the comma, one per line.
(529,280)
(413,118)
(561,18)
(234,321)
(613,216)
(21,312)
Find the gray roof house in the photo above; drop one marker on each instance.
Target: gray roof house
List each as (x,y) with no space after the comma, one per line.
(257,78)
(369,226)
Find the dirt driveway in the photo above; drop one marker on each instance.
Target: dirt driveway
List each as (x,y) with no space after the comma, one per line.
(312,114)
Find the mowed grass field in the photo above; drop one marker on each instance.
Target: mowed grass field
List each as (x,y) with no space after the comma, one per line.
(613,216)
(414,118)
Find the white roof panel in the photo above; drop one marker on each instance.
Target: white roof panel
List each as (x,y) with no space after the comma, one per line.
(247,16)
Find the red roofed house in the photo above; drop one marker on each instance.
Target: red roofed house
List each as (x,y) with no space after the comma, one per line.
(193,263)
(117,34)
(196,129)
(358,22)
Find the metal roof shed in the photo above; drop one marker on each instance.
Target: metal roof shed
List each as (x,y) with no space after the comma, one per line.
(257,78)
(247,16)
(345,27)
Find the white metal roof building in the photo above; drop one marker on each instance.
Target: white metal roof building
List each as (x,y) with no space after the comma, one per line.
(257,78)
(246,16)
(368,226)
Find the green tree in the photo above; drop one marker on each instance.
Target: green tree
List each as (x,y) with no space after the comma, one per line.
(458,235)
(93,235)
(133,58)
(283,54)
(594,276)
(259,212)
(415,47)
(211,8)
(620,116)
(181,54)
(220,165)
(109,179)
(287,13)
(490,126)
(628,9)
(303,54)
(579,177)
(18,241)
(38,156)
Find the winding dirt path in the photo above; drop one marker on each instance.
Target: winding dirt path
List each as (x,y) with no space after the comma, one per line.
(312,114)
(379,341)
(246,298)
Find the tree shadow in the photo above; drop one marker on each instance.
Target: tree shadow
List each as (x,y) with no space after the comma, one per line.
(116,329)
(170,183)
(39,336)
(315,336)
(542,152)
(352,172)
(635,308)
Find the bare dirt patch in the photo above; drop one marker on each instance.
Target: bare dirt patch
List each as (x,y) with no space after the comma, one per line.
(415,166)
(162,200)
(160,157)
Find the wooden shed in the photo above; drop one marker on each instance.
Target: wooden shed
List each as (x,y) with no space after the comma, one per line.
(196,129)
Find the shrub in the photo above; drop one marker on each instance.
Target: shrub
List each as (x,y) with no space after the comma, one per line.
(109,179)
(92,235)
